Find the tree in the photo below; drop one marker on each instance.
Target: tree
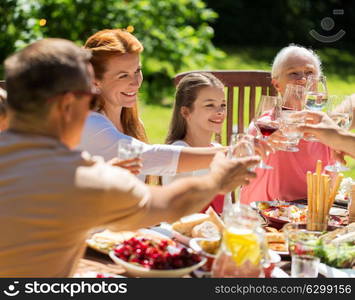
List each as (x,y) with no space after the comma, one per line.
(175,33)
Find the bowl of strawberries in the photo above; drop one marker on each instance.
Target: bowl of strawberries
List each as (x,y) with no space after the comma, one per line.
(148,257)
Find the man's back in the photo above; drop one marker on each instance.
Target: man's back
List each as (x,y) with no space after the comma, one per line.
(50,197)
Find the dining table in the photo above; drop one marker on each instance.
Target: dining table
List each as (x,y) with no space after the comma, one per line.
(95,262)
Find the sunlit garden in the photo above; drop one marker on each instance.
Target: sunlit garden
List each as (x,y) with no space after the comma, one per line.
(114,164)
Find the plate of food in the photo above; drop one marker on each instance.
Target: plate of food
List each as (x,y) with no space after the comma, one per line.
(337,252)
(279,216)
(151,257)
(201,225)
(276,240)
(262,205)
(282,214)
(106,240)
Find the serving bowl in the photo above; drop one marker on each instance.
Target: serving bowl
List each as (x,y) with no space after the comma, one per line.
(135,270)
(196,244)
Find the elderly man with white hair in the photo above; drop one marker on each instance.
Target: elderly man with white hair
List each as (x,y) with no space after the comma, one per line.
(287,180)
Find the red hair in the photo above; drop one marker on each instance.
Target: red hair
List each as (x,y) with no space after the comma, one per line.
(104,45)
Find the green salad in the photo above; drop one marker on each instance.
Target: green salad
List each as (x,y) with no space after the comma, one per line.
(338,256)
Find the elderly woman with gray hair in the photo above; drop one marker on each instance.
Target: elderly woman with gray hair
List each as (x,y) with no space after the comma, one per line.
(287,180)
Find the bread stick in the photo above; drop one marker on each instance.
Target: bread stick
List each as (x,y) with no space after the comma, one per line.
(336,185)
(309,200)
(314,201)
(321,204)
(319,168)
(326,197)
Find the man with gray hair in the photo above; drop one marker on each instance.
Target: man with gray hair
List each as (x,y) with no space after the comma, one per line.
(51,196)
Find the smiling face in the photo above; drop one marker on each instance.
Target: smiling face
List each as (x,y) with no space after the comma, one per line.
(295,70)
(208,111)
(121,81)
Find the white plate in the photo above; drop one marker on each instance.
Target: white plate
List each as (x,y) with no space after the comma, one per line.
(332,272)
(137,271)
(336,211)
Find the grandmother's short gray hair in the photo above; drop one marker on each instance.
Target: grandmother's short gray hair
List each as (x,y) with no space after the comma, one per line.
(290,50)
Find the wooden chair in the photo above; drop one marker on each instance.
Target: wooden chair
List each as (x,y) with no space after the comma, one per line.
(2,84)
(258,82)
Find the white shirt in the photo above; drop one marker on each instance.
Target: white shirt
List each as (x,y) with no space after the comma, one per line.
(168,179)
(100,137)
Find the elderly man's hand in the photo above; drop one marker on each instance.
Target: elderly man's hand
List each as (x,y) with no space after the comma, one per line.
(232,173)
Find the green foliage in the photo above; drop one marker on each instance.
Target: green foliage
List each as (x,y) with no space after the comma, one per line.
(175,33)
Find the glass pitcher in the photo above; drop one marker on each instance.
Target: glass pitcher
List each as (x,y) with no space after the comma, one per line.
(243,252)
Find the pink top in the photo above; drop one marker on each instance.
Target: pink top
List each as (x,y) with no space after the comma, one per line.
(287,180)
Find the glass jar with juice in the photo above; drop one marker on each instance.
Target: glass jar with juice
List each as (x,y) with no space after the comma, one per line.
(243,252)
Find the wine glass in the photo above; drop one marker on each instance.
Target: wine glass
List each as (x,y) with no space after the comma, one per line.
(292,102)
(128,149)
(289,122)
(240,146)
(316,96)
(340,110)
(293,98)
(266,120)
(317,93)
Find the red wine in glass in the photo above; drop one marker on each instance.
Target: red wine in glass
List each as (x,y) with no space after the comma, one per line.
(267,129)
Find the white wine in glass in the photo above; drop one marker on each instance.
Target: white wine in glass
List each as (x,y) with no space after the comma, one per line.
(316,96)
